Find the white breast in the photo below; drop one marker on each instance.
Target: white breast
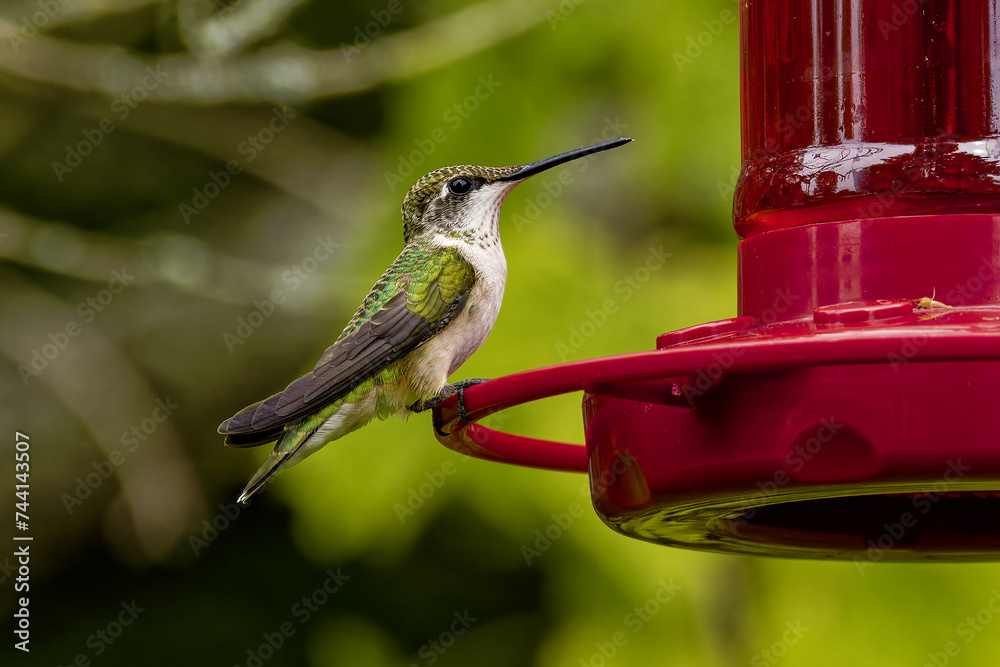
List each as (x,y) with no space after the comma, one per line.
(444,353)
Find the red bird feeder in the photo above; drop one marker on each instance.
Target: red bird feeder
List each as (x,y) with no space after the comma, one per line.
(848,412)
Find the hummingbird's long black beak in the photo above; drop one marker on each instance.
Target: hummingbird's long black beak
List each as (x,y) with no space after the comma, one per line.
(535,167)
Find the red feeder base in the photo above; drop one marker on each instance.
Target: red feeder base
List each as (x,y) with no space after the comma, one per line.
(865,429)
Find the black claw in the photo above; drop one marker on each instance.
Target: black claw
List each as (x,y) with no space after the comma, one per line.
(459,388)
(429,404)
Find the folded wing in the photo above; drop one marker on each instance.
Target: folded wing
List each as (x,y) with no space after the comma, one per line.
(415,298)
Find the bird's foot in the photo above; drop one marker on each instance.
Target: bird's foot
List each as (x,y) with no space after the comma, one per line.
(457,388)
(460,388)
(427,404)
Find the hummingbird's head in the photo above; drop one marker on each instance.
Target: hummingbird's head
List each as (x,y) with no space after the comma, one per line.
(464,202)
(461,201)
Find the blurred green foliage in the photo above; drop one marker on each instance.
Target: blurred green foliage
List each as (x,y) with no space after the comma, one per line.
(245,135)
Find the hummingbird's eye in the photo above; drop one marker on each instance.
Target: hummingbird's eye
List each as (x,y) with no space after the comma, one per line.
(460,186)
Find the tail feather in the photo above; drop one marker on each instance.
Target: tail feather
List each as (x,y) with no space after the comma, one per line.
(301,438)
(290,441)
(271,465)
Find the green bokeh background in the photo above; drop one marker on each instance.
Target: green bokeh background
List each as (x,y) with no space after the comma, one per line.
(562,74)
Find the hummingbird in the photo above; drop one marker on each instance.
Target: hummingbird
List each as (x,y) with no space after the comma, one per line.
(429,312)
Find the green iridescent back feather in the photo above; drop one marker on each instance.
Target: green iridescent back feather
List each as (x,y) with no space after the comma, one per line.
(433,277)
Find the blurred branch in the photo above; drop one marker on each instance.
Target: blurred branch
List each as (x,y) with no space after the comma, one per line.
(284,72)
(183,262)
(64,13)
(98,383)
(213,33)
(314,163)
